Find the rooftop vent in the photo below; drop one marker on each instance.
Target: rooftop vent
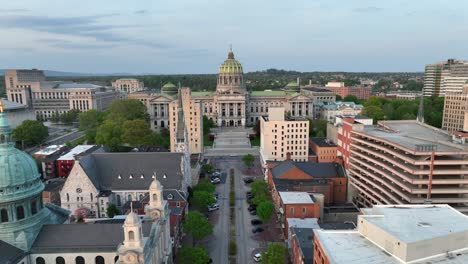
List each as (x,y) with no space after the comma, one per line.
(424,224)
(119,177)
(142,176)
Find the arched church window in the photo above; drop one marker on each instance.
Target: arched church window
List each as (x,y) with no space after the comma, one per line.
(79,260)
(140,197)
(116,258)
(91,194)
(19,212)
(119,202)
(59,260)
(33,207)
(99,260)
(68,197)
(155,197)
(40,260)
(131,235)
(4,216)
(129,197)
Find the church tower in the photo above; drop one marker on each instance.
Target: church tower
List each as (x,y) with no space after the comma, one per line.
(181,138)
(155,208)
(131,251)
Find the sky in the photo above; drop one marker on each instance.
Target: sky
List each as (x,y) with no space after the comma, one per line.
(194,36)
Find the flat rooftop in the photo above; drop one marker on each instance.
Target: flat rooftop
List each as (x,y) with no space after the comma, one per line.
(10,105)
(412,134)
(417,222)
(76,151)
(296,198)
(322,142)
(49,150)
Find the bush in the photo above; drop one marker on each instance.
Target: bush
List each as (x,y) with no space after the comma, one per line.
(232,247)
(232,199)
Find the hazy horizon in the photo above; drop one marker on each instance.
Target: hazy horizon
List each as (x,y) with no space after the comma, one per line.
(193,37)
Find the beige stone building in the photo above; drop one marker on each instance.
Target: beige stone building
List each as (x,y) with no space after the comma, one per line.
(28,87)
(128,85)
(455,106)
(282,138)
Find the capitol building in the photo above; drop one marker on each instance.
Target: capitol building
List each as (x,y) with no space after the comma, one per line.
(231,104)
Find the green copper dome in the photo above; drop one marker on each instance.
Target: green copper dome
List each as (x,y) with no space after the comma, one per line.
(231,65)
(169,86)
(19,175)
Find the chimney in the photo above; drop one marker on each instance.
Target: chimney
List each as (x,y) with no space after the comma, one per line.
(288,156)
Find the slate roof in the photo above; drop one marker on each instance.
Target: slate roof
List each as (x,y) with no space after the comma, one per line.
(315,170)
(124,171)
(81,237)
(10,254)
(54,185)
(305,240)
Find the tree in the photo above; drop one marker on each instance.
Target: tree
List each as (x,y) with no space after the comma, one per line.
(265,210)
(137,132)
(90,119)
(192,255)
(30,132)
(373,112)
(112,210)
(351,98)
(197,225)
(69,117)
(207,124)
(110,134)
(259,187)
(338,98)
(202,199)
(204,185)
(248,160)
(128,109)
(317,127)
(275,254)
(208,168)
(258,199)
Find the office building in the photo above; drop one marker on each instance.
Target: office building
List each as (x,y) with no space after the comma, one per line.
(443,77)
(455,107)
(128,85)
(282,137)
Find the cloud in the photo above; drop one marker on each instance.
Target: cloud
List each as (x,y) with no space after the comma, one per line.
(67,44)
(141,12)
(368,9)
(13,10)
(84,26)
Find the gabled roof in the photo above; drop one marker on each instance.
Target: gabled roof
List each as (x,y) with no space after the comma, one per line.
(81,237)
(133,170)
(10,254)
(314,170)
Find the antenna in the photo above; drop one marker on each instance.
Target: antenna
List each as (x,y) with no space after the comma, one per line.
(230,47)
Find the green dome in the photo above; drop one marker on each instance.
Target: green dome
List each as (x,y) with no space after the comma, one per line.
(19,176)
(231,65)
(169,86)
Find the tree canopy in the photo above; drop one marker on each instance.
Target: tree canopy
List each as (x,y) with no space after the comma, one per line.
(248,160)
(112,210)
(31,132)
(204,185)
(110,134)
(259,187)
(192,255)
(265,210)
(197,225)
(202,199)
(128,109)
(137,132)
(317,128)
(275,254)
(351,98)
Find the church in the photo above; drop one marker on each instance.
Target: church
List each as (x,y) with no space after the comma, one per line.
(35,233)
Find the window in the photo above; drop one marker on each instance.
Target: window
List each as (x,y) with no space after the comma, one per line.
(40,260)
(91,196)
(119,202)
(129,197)
(19,212)
(131,236)
(59,260)
(99,260)
(79,260)
(304,210)
(68,197)
(155,197)
(33,207)
(291,210)
(4,216)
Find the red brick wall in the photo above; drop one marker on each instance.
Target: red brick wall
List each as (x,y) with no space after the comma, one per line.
(312,211)
(319,255)
(324,154)
(296,255)
(64,167)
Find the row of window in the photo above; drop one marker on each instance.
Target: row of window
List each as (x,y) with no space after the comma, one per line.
(78,260)
(20,213)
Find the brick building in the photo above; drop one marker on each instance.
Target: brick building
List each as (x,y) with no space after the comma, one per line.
(66,161)
(324,149)
(361,92)
(296,205)
(328,179)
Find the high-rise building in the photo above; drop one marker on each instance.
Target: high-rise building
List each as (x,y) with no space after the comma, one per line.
(405,162)
(447,76)
(455,107)
(19,84)
(282,138)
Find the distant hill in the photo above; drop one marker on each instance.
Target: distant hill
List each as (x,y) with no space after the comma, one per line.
(74,74)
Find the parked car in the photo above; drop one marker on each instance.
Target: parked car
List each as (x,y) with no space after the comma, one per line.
(216,173)
(213,207)
(216,195)
(250,196)
(249,200)
(248,180)
(256,222)
(215,181)
(253,212)
(252,207)
(257,257)
(257,230)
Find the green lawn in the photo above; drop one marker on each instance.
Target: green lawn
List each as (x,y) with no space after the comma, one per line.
(206,141)
(255,141)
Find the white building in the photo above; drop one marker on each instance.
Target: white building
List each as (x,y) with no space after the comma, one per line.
(330,111)
(281,137)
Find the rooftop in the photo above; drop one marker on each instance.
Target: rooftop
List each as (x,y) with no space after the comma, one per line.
(296,198)
(322,142)
(314,170)
(11,106)
(9,253)
(201,94)
(76,151)
(272,93)
(316,89)
(54,185)
(302,223)
(49,150)
(305,240)
(413,135)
